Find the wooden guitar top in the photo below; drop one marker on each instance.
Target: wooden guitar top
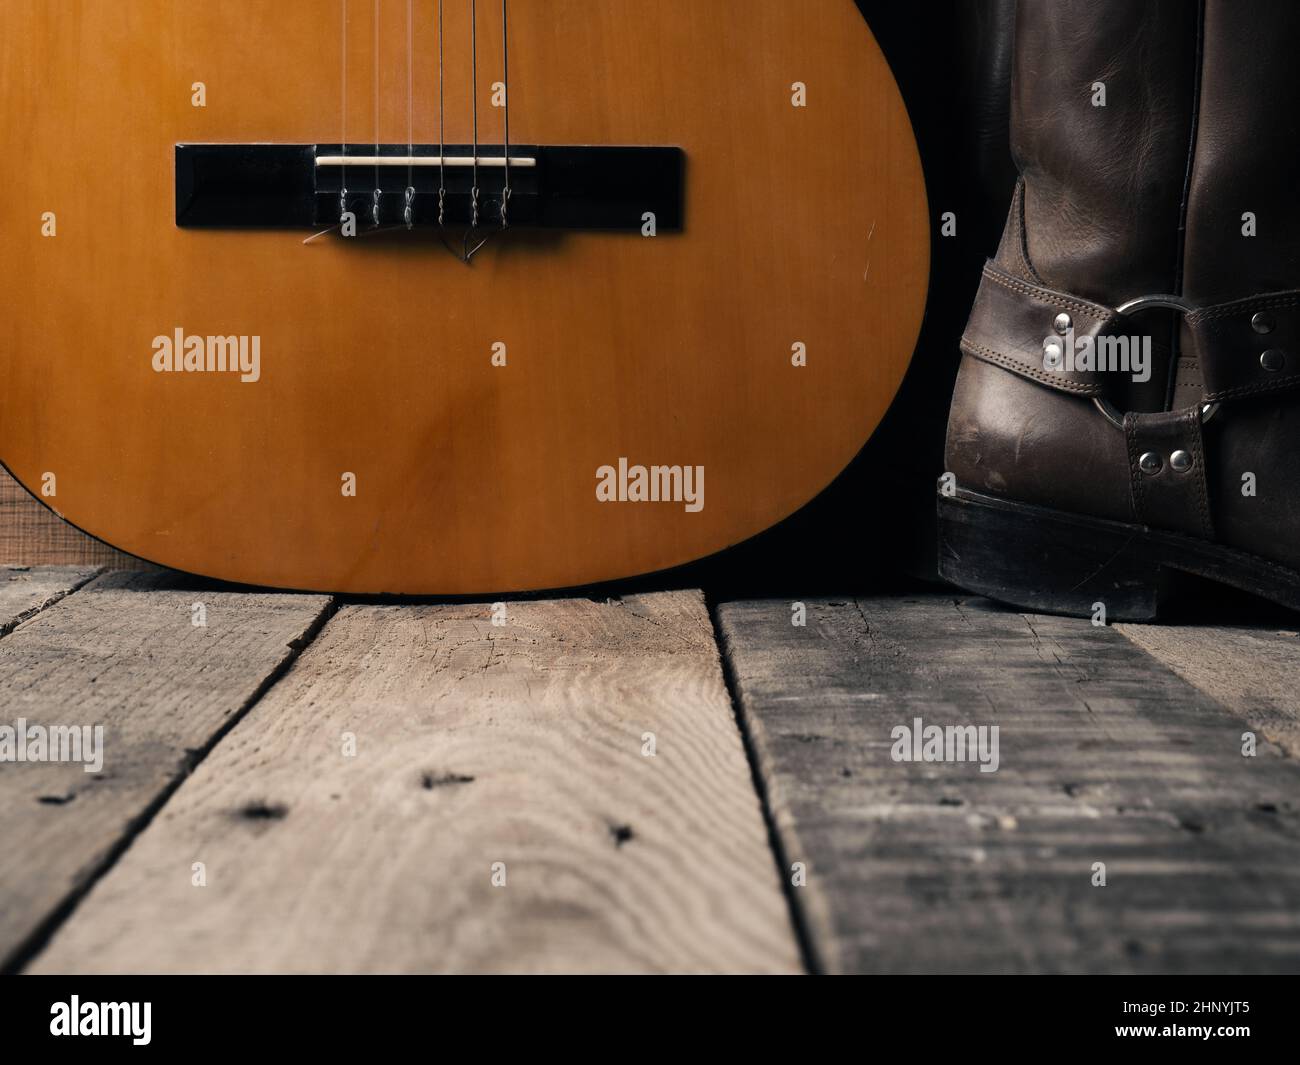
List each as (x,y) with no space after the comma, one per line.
(570,406)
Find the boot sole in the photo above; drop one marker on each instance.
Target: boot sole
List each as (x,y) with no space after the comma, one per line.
(1054,562)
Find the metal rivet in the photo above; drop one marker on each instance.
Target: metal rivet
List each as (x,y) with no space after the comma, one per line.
(1273,360)
(1180,461)
(1263,322)
(1150,462)
(1052,354)
(1062,323)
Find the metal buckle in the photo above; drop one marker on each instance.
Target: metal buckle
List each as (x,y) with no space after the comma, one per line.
(1136,306)
(1152,303)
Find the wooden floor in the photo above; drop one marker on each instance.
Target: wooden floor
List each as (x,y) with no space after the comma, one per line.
(656,783)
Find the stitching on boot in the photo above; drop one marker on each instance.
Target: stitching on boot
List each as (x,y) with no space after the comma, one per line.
(1135,487)
(1045,296)
(1198,458)
(1243,307)
(1006,362)
(1290,381)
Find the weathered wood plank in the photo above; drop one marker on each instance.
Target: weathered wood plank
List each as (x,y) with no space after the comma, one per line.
(32,535)
(475,745)
(1253,671)
(1105,756)
(25,591)
(122,653)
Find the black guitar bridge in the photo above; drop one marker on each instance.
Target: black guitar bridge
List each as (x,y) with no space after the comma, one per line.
(290,186)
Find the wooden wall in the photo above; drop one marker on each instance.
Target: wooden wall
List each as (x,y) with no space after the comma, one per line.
(31,535)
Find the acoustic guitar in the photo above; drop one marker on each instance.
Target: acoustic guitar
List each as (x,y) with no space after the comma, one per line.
(447,297)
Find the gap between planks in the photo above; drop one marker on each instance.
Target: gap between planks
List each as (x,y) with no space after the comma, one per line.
(123,653)
(25,590)
(1106,756)
(523,745)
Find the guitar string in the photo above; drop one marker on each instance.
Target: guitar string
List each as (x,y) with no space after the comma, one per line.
(473,38)
(409,212)
(442,144)
(343,190)
(468,252)
(442,136)
(377,196)
(374,210)
(505,64)
(343,173)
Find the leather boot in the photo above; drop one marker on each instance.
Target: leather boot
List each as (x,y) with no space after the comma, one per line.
(1128,405)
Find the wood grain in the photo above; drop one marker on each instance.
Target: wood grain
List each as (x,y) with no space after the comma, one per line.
(33,535)
(122,653)
(26,591)
(804,225)
(1254,670)
(1106,756)
(475,744)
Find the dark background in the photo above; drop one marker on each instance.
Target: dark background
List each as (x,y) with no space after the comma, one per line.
(874,527)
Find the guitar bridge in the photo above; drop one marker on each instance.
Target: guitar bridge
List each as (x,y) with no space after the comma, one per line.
(289,186)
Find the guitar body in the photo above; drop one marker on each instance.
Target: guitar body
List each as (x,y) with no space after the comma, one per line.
(573,405)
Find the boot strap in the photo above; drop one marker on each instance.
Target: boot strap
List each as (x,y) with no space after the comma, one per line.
(1167,474)
(1025,328)
(1244,347)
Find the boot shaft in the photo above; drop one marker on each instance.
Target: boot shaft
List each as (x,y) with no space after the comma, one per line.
(1155,145)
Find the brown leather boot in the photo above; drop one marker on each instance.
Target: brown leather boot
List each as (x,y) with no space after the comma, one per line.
(1127,407)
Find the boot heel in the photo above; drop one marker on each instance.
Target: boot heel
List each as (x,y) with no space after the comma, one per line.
(1046,560)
